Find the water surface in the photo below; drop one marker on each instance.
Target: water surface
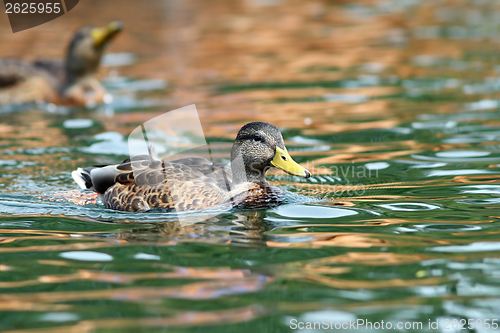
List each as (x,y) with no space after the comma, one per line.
(393,105)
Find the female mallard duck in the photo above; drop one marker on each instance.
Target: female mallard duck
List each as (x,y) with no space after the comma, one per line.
(195,183)
(70,82)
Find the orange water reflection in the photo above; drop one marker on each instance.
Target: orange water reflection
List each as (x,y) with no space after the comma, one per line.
(301,72)
(190,318)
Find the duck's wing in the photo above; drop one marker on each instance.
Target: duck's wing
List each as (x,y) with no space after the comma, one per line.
(142,183)
(146,171)
(220,173)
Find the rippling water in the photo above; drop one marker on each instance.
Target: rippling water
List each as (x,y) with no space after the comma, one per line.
(393,105)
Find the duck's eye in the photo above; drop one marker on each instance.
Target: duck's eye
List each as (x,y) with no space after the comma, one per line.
(257,138)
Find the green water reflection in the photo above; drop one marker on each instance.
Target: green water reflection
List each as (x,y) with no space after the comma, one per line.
(393,105)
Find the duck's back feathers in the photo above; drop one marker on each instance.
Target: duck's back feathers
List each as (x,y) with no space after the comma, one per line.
(22,81)
(54,68)
(12,71)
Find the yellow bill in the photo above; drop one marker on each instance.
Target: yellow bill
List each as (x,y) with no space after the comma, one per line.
(282,160)
(103,35)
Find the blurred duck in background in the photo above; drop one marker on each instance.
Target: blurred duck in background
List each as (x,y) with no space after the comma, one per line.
(71,82)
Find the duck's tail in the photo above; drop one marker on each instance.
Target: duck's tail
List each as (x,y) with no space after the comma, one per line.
(82,177)
(97,178)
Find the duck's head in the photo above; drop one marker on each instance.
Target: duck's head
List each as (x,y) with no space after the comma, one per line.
(86,49)
(258,147)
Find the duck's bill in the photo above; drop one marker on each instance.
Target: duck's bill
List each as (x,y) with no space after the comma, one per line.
(103,35)
(282,160)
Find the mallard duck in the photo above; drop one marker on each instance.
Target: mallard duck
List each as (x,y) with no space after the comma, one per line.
(71,82)
(144,183)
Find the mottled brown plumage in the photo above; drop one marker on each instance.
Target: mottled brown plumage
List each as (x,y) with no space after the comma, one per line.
(61,82)
(179,185)
(195,183)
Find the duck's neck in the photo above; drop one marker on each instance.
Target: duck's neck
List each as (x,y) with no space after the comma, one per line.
(249,176)
(243,173)
(77,69)
(75,75)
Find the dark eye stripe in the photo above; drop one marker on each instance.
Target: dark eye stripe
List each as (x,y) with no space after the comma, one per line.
(255,137)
